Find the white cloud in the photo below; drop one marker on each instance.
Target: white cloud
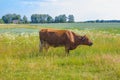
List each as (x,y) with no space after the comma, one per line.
(81,9)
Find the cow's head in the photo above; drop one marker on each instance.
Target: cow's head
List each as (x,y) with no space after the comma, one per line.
(84,40)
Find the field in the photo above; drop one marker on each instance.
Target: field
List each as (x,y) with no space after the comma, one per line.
(20,58)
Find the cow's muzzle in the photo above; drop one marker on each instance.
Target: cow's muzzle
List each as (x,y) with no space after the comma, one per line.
(90,44)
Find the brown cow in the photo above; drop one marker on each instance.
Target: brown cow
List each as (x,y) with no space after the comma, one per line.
(55,38)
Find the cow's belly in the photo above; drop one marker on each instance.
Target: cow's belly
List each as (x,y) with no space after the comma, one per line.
(56,43)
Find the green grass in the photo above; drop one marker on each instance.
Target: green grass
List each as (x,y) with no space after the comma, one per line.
(20,58)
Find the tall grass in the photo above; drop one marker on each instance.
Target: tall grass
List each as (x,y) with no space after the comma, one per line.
(20,58)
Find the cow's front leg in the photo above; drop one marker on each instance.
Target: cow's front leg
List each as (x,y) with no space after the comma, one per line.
(41,45)
(46,46)
(67,50)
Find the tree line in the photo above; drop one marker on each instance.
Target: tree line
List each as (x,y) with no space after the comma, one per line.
(13,18)
(103,21)
(36,18)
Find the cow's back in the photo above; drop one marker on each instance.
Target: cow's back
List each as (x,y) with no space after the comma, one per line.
(53,37)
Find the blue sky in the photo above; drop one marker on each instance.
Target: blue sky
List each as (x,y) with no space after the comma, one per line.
(81,9)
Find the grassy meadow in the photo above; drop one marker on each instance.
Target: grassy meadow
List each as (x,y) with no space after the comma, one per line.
(20,58)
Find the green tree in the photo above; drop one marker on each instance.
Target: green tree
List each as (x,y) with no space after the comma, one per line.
(8,18)
(70,18)
(49,19)
(1,21)
(25,19)
(33,18)
(41,18)
(61,19)
(16,17)
(57,19)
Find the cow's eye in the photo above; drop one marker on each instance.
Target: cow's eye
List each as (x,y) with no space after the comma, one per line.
(83,39)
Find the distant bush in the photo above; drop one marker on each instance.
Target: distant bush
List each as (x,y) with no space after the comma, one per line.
(1,21)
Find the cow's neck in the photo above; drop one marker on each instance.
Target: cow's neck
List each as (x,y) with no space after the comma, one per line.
(78,40)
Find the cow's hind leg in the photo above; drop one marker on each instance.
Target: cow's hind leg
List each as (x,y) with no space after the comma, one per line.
(41,45)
